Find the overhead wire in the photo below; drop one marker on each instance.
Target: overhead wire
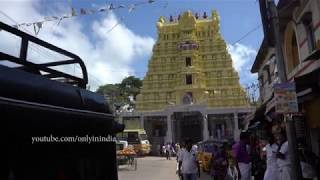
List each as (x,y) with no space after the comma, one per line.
(32,46)
(247,34)
(134,72)
(40,52)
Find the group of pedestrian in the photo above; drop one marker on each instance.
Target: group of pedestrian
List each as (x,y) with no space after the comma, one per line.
(169,150)
(231,162)
(226,163)
(234,162)
(279,166)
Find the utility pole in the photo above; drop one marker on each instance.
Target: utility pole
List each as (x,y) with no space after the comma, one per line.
(290,126)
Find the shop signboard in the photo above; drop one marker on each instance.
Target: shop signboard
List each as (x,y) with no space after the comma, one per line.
(286,98)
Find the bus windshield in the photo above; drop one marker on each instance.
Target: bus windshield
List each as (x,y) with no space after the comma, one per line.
(133,137)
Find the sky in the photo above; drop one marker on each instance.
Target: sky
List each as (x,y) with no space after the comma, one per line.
(118,43)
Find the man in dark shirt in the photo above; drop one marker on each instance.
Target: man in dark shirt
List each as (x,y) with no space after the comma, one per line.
(241,155)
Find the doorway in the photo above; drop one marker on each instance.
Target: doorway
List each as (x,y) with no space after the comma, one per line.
(188,125)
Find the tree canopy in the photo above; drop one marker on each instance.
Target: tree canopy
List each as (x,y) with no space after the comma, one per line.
(123,93)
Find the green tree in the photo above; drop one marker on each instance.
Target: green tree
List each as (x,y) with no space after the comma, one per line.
(130,86)
(112,94)
(119,95)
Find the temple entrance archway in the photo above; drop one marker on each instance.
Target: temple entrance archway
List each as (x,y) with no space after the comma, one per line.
(187,125)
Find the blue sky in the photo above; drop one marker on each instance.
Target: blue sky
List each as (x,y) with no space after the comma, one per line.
(125,50)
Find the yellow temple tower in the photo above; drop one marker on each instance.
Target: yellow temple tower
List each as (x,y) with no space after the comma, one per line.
(191,89)
(190,64)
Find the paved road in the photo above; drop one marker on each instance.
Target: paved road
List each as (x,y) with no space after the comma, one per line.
(152,168)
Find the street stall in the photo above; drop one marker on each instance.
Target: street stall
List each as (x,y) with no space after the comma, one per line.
(127,156)
(206,148)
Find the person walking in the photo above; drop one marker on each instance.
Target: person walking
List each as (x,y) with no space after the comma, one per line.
(161,149)
(241,155)
(214,153)
(164,150)
(233,169)
(272,172)
(188,163)
(195,148)
(168,151)
(283,160)
(180,150)
(219,164)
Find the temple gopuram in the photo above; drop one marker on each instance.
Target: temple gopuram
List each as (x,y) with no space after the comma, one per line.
(191,89)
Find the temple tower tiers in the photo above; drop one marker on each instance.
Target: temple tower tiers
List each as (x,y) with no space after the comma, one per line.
(190,64)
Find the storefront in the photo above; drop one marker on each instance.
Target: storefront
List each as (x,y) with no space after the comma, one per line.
(308,92)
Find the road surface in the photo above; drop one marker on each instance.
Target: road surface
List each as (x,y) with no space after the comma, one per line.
(152,168)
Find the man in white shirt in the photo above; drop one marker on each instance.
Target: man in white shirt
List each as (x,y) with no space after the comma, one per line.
(283,159)
(188,163)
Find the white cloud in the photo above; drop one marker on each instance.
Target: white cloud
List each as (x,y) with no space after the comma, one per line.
(107,55)
(242,59)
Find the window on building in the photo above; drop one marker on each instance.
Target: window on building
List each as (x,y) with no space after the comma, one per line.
(188,61)
(266,69)
(307,21)
(188,79)
(187,98)
(291,48)
(268,75)
(261,83)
